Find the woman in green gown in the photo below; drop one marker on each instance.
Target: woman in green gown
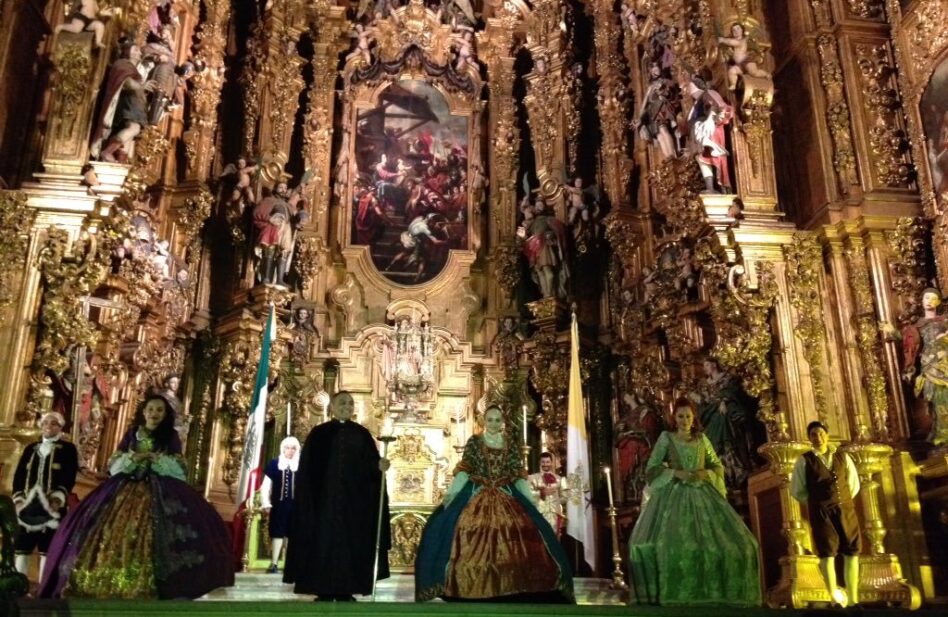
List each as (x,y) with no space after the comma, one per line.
(689,546)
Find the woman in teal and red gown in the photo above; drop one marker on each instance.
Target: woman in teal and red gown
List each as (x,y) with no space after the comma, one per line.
(488,541)
(689,546)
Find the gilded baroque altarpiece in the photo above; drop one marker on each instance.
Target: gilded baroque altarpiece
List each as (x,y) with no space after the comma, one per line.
(742,202)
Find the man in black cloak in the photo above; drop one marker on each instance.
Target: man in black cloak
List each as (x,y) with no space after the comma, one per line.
(331,548)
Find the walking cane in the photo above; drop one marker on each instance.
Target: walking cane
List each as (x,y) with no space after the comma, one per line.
(385,439)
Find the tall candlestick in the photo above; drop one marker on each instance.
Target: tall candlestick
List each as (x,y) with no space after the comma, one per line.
(618,578)
(524,425)
(608,473)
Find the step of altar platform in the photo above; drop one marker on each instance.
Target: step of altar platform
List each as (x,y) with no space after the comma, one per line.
(250,608)
(258,586)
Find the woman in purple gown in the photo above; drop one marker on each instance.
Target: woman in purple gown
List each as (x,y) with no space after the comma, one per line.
(144,532)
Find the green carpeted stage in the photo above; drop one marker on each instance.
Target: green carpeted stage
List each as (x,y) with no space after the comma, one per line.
(251,608)
(257,594)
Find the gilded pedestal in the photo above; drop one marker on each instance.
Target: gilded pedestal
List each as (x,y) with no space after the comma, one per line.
(880,574)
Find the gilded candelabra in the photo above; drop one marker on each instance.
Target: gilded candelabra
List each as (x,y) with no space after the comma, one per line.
(618,578)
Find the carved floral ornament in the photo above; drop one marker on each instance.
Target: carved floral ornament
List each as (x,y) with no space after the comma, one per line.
(922,40)
(17,218)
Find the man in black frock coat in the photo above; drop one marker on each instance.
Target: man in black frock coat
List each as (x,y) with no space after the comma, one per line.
(331,548)
(44,477)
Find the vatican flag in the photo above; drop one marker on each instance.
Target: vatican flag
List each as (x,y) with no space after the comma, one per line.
(253,438)
(579,512)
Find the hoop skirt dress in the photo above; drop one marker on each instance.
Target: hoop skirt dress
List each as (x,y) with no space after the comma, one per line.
(689,546)
(490,542)
(142,534)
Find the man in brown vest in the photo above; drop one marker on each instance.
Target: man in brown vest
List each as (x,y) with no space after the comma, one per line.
(826,481)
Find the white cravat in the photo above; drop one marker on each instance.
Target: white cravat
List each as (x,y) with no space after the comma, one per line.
(46,446)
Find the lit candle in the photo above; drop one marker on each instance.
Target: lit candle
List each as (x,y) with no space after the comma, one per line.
(608,473)
(524,425)
(288,416)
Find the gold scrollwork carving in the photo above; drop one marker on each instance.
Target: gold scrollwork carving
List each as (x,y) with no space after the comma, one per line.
(406,536)
(909,265)
(149,151)
(804,265)
(867,9)
(837,112)
(549,375)
(310,252)
(69,274)
(929,37)
(742,323)
(677,185)
(16,217)
(238,366)
(883,107)
(505,259)
(191,217)
(74,67)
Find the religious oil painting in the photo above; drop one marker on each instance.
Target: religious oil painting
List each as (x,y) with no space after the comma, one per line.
(410,196)
(934,113)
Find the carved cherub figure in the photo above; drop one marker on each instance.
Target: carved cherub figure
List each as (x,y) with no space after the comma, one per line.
(526,208)
(84,15)
(583,207)
(364,36)
(242,173)
(743,59)
(462,39)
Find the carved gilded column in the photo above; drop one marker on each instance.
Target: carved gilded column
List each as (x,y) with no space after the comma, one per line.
(881,263)
(331,39)
(547,104)
(837,112)
(849,364)
(868,343)
(613,102)
(495,43)
(206,90)
(551,113)
(313,239)
(804,268)
(272,82)
(279,85)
